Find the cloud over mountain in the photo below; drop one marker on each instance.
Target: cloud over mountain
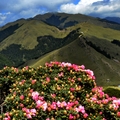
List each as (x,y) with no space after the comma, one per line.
(101,8)
(15,9)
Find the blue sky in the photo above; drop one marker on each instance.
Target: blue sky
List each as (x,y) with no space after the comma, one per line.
(11,10)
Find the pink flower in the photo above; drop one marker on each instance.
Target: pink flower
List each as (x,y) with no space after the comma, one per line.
(53,105)
(58,104)
(21,105)
(26,67)
(24,109)
(72,89)
(41,98)
(48,119)
(39,104)
(116,101)
(56,78)
(94,99)
(85,115)
(31,90)
(89,72)
(118,114)
(47,79)
(105,101)
(7,116)
(29,116)
(66,64)
(69,105)
(71,117)
(53,95)
(27,111)
(33,82)
(14,93)
(44,106)
(61,74)
(100,113)
(76,109)
(23,81)
(115,106)
(104,119)
(81,109)
(101,94)
(22,97)
(63,104)
(93,77)
(75,67)
(82,67)
(76,102)
(33,112)
(35,95)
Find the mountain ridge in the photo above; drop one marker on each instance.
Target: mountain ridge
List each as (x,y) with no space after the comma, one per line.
(75,18)
(114,19)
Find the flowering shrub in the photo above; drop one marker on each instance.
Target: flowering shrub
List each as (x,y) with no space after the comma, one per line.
(56,91)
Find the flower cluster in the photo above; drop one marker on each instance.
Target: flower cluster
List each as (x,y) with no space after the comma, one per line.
(56,91)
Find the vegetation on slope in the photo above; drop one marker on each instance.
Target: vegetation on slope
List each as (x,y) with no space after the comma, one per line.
(112,91)
(18,55)
(56,91)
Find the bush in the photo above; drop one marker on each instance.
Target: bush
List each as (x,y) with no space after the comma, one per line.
(112,91)
(56,91)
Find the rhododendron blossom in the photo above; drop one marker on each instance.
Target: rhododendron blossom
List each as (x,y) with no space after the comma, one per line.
(35,95)
(22,97)
(56,91)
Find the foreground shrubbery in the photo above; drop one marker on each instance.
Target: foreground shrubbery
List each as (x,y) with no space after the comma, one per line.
(57,91)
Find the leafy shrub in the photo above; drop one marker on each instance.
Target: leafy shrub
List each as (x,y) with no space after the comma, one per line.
(112,91)
(56,91)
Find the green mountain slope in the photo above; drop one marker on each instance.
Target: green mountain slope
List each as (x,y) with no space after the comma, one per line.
(78,39)
(93,51)
(27,34)
(106,70)
(63,20)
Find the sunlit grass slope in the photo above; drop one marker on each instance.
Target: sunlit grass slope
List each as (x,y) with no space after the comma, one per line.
(27,34)
(106,70)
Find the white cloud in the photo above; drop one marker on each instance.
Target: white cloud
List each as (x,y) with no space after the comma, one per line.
(101,7)
(29,8)
(3,17)
(18,5)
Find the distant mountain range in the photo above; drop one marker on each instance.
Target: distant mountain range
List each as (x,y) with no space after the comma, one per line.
(73,38)
(114,19)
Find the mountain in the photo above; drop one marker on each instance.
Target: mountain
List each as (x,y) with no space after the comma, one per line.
(113,19)
(74,38)
(63,20)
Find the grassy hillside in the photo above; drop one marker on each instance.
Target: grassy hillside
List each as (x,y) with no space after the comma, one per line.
(27,34)
(63,20)
(18,54)
(95,57)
